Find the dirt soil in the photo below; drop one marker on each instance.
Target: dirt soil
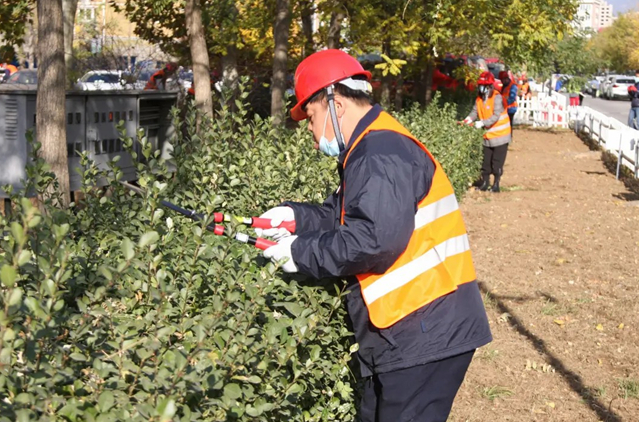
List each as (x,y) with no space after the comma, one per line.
(557,257)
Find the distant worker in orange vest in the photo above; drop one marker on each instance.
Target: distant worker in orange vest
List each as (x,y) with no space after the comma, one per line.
(509,95)
(490,113)
(6,70)
(158,79)
(394,230)
(524,87)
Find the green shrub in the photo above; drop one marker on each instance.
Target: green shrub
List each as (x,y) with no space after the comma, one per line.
(457,147)
(118,309)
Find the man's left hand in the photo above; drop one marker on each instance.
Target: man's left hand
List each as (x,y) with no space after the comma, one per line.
(281,251)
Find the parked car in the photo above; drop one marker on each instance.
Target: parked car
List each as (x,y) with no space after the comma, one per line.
(27,76)
(616,86)
(100,80)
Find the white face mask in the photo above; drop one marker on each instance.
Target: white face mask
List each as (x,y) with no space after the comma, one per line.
(330,148)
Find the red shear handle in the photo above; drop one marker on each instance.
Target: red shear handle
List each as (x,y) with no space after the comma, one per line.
(265,223)
(264,244)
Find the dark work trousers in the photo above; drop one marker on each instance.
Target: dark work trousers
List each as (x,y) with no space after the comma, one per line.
(511,117)
(494,159)
(633,118)
(423,393)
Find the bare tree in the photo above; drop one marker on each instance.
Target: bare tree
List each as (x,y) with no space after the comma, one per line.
(199,57)
(50,103)
(280,34)
(69,8)
(335,29)
(307,26)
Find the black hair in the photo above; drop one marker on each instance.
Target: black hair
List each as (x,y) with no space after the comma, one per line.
(359,97)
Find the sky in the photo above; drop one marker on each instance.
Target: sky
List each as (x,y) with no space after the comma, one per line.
(623,5)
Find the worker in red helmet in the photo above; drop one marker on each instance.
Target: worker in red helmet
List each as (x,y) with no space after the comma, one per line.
(509,95)
(489,113)
(394,230)
(157,81)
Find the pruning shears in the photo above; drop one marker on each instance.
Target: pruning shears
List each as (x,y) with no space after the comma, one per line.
(258,242)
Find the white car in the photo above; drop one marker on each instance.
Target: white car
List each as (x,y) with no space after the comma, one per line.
(101,80)
(617,86)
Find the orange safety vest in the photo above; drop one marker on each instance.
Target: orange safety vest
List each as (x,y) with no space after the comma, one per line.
(437,258)
(505,93)
(486,110)
(153,80)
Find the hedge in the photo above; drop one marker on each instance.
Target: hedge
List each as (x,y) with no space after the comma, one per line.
(118,309)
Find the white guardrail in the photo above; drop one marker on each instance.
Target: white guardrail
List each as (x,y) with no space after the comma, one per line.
(612,135)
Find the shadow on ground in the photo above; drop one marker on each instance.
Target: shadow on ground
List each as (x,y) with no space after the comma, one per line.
(604,413)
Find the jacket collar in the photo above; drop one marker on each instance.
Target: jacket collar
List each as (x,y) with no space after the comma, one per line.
(365,122)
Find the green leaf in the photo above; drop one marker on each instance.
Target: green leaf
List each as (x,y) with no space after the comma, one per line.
(167,409)
(148,238)
(106,401)
(8,275)
(24,257)
(15,298)
(127,249)
(78,357)
(232,391)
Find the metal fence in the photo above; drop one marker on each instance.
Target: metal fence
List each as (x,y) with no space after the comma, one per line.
(610,134)
(554,110)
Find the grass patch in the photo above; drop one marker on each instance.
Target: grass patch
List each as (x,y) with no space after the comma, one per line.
(496,392)
(489,300)
(489,355)
(629,388)
(550,309)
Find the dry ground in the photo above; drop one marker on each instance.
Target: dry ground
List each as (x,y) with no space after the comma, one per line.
(557,254)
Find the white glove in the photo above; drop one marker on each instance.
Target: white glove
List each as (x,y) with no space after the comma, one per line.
(277,215)
(479,124)
(468,120)
(281,251)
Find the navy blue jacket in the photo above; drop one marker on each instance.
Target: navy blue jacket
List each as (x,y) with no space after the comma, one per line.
(386,178)
(634,97)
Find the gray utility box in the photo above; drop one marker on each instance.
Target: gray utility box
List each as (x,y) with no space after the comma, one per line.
(91,119)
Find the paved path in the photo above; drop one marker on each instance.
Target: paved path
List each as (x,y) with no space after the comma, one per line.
(617,109)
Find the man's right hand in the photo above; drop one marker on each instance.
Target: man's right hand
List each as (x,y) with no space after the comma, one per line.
(277,215)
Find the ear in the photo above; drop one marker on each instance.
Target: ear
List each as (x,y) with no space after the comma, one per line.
(340,106)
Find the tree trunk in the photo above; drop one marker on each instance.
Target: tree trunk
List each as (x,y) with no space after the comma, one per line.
(230,74)
(69,8)
(50,103)
(387,79)
(335,30)
(307,27)
(399,93)
(280,59)
(429,71)
(200,59)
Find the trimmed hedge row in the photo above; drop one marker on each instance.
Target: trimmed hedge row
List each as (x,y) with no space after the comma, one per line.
(118,309)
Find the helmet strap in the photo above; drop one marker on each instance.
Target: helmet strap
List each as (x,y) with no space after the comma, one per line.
(330,96)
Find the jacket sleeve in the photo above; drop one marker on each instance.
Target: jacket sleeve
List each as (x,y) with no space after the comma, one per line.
(312,217)
(498,108)
(512,97)
(473,113)
(379,215)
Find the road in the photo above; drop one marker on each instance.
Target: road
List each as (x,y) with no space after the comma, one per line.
(617,109)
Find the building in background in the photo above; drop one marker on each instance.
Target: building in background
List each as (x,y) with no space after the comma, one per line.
(594,15)
(104,32)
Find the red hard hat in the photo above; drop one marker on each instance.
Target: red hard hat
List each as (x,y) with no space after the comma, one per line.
(171,66)
(486,78)
(503,74)
(320,70)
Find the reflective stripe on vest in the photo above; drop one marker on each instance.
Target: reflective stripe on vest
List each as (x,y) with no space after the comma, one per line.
(504,96)
(437,258)
(486,110)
